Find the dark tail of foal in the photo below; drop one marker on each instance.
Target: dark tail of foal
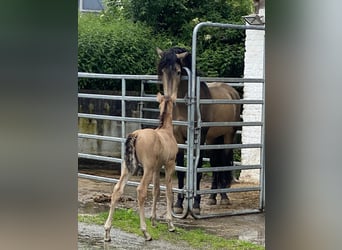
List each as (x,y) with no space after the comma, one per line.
(131,160)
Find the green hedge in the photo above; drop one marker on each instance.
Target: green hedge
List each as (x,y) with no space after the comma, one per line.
(113,46)
(121,41)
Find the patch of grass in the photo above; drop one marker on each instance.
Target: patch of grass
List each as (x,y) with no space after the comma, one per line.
(128,220)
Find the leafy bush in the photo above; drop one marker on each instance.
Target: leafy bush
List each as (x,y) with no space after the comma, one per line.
(220,51)
(113,46)
(122,40)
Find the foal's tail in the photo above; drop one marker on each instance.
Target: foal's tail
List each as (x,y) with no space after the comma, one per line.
(131,160)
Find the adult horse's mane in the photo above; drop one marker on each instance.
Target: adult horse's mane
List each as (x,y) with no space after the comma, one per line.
(169,59)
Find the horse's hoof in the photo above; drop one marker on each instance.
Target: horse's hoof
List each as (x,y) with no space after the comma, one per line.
(211,202)
(178,210)
(107,236)
(196,211)
(171,227)
(225,202)
(107,239)
(147,236)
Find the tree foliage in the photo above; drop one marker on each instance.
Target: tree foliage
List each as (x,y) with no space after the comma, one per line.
(123,39)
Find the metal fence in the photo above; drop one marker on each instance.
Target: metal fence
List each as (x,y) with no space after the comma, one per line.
(191,146)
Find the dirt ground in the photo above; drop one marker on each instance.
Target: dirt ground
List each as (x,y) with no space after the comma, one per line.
(93,198)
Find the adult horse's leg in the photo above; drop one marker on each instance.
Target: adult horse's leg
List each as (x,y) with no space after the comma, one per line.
(214,156)
(225,177)
(117,192)
(197,200)
(178,207)
(222,179)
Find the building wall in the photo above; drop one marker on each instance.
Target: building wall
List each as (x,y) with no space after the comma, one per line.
(254,68)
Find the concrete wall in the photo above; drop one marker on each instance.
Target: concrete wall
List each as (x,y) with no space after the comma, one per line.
(104,127)
(254,68)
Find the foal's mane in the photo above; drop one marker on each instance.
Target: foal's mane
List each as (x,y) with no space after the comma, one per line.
(164,113)
(169,59)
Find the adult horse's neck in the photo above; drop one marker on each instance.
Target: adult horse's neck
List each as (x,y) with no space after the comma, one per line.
(182,89)
(204,94)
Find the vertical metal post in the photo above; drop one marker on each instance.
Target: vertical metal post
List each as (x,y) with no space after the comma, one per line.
(190,142)
(123,115)
(262,153)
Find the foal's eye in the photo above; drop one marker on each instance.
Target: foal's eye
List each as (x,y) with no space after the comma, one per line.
(178,73)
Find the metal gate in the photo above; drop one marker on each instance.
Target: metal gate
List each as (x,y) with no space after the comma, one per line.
(192,146)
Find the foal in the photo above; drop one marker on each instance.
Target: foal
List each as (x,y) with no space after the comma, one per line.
(149,149)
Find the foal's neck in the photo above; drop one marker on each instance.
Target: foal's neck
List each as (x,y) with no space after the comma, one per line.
(166,117)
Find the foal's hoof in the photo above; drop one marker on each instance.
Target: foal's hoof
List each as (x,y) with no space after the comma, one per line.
(107,239)
(147,236)
(211,202)
(171,227)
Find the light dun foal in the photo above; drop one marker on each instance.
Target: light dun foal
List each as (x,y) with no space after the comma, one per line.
(149,149)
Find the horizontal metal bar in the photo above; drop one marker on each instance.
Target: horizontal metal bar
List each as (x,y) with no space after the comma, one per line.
(230,213)
(155,80)
(101,137)
(231,80)
(99,157)
(113,139)
(228,190)
(228,168)
(219,124)
(150,110)
(226,101)
(119,97)
(128,119)
(179,100)
(230,26)
(230,146)
(117,76)
(130,183)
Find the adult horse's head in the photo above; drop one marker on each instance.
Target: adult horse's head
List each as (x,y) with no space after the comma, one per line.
(170,68)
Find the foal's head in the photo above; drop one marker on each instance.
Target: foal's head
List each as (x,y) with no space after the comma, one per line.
(170,68)
(165,107)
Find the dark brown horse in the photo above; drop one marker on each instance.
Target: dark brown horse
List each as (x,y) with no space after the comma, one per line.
(170,70)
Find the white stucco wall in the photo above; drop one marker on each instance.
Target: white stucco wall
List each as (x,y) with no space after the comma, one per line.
(254,68)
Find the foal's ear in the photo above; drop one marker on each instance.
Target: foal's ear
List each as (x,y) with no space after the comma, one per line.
(160,97)
(160,52)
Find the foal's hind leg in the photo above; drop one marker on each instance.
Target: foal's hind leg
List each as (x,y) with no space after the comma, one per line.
(169,170)
(156,194)
(142,194)
(117,192)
